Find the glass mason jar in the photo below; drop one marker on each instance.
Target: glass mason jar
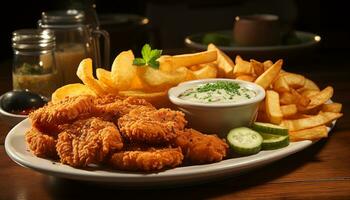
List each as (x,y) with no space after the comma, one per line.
(34,66)
(75,41)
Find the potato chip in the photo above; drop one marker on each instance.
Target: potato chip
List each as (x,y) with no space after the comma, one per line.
(105,77)
(71,90)
(84,72)
(123,71)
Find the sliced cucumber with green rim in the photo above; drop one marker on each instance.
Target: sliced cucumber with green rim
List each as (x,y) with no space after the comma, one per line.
(269,128)
(272,141)
(244,141)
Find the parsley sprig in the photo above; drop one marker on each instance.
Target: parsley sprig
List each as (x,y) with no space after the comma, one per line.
(149,57)
(225,85)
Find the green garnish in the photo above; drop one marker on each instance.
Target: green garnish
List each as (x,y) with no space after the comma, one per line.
(149,57)
(225,85)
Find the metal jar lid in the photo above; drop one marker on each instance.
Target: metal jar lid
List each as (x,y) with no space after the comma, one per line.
(33,39)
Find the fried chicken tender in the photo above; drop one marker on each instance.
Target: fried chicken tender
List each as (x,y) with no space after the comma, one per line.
(112,106)
(47,118)
(87,141)
(41,144)
(151,126)
(147,160)
(199,148)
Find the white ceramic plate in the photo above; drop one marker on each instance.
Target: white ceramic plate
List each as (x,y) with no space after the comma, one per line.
(17,149)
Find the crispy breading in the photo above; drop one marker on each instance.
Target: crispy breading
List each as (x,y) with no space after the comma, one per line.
(87,141)
(147,160)
(199,148)
(41,144)
(47,118)
(151,126)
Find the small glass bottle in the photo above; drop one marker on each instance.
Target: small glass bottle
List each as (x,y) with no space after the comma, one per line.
(34,66)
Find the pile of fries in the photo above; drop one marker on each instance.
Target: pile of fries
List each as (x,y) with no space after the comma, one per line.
(292,100)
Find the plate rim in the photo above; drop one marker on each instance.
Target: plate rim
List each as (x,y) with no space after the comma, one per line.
(190,43)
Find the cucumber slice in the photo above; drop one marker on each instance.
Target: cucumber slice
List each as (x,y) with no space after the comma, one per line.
(244,141)
(272,141)
(269,128)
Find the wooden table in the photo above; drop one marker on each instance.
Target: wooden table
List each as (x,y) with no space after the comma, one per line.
(321,171)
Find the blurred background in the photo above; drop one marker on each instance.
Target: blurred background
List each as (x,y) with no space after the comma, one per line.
(166,23)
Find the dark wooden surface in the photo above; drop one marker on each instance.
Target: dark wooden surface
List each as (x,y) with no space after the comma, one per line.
(321,171)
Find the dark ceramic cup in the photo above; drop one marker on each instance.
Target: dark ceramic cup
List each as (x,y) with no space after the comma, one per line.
(257,30)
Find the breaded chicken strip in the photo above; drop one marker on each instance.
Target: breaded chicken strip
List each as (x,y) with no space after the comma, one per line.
(150,126)
(199,148)
(87,141)
(47,118)
(147,160)
(41,144)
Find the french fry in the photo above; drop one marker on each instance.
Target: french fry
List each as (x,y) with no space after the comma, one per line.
(208,71)
(289,110)
(258,67)
(186,60)
(225,64)
(242,67)
(273,109)
(294,80)
(123,71)
(281,85)
(332,107)
(267,64)
(309,85)
(265,79)
(320,98)
(301,101)
(248,78)
(308,93)
(317,120)
(287,98)
(84,72)
(314,133)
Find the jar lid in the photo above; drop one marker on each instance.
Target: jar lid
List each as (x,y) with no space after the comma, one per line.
(62,18)
(33,39)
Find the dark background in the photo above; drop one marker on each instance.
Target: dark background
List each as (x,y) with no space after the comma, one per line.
(172,20)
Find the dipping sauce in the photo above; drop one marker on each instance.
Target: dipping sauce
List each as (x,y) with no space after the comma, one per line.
(218,92)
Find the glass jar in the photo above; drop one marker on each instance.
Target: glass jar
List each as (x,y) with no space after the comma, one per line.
(74,41)
(34,66)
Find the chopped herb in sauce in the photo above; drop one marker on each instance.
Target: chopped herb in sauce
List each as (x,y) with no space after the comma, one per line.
(218,92)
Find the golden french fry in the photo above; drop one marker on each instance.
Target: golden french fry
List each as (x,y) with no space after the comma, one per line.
(317,120)
(165,64)
(208,71)
(281,85)
(84,72)
(301,101)
(105,77)
(287,98)
(320,98)
(242,67)
(258,67)
(123,71)
(294,80)
(249,78)
(289,110)
(265,79)
(267,64)
(158,99)
(186,60)
(262,106)
(332,107)
(308,93)
(70,90)
(309,85)
(225,64)
(273,109)
(262,117)
(314,133)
